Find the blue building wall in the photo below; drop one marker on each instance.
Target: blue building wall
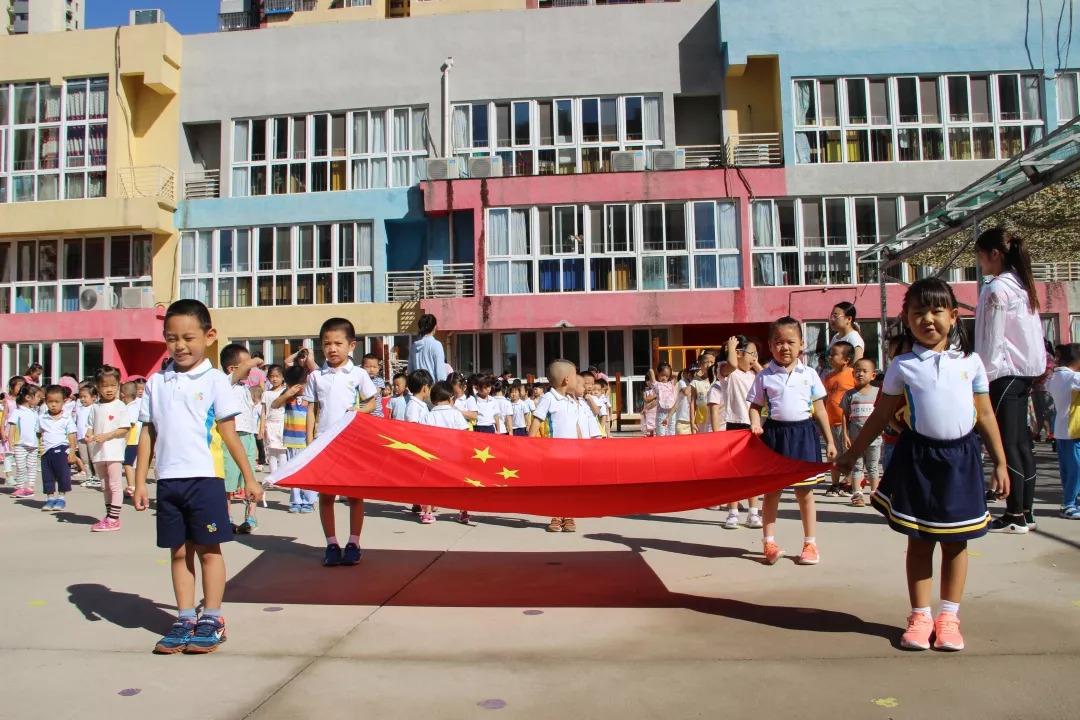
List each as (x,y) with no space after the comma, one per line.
(883,37)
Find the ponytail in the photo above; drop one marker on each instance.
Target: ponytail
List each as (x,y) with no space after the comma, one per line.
(1014,250)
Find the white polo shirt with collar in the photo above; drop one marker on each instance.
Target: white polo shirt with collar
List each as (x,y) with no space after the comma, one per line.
(486,410)
(416,410)
(560,413)
(789,397)
(940,389)
(446,416)
(338,390)
(587,422)
(185,408)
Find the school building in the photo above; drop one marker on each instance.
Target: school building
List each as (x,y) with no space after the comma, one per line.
(580,181)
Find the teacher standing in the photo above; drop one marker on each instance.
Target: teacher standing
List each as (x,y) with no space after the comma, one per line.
(1009,339)
(426,352)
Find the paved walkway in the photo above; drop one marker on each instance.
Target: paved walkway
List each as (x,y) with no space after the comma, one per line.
(665,616)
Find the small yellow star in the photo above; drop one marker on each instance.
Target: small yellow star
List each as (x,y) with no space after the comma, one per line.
(398,445)
(474,483)
(483,455)
(507,474)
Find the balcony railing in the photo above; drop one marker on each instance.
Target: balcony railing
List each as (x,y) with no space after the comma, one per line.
(1056,272)
(433,282)
(235,21)
(148,181)
(580,3)
(278,7)
(202,184)
(747,150)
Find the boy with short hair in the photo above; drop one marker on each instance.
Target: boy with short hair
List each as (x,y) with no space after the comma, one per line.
(1064,388)
(842,323)
(558,410)
(400,400)
(858,405)
(837,382)
(237,363)
(129,395)
(372,365)
(335,389)
(191,407)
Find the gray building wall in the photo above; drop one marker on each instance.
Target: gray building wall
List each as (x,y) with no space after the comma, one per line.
(886,178)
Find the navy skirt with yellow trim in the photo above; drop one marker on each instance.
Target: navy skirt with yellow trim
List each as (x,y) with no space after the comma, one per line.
(933,489)
(799,440)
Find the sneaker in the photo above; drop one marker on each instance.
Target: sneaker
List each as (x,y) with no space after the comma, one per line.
(294,508)
(917,635)
(555,525)
(208,636)
(1029,518)
(463,517)
(105,525)
(833,491)
(49,505)
(250,524)
(332,558)
(61,504)
(714,507)
(732,522)
(568,525)
(754,521)
(352,554)
(178,638)
(845,491)
(1009,524)
(857,500)
(809,554)
(427,518)
(416,509)
(1070,513)
(23,492)
(305,509)
(773,553)
(92,483)
(240,494)
(947,633)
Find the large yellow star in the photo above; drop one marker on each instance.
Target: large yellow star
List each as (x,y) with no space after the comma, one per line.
(483,455)
(507,474)
(474,483)
(398,445)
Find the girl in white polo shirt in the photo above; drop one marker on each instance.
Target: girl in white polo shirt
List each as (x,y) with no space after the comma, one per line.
(933,486)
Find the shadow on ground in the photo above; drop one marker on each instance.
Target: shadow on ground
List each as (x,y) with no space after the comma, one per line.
(127,610)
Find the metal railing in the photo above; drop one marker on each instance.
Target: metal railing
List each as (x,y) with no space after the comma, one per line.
(273,7)
(746,150)
(432,282)
(202,184)
(235,21)
(579,3)
(147,181)
(1056,272)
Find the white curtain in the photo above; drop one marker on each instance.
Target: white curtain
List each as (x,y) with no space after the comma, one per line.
(401,172)
(519,232)
(96,186)
(1066,97)
(498,278)
(520,272)
(50,104)
(1032,105)
(419,130)
(763,225)
(240,185)
(48,187)
(729,234)
(187,289)
(98,136)
(729,271)
(401,131)
(766,266)
(651,118)
(360,175)
(99,98)
(360,133)
(378,173)
(803,94)
(76,186)
(499,232)
(364,288)
(76,102)
(378,133)
(419,169)
(802,148)
(365,244)
(461,127)
(240,141)
(76,146)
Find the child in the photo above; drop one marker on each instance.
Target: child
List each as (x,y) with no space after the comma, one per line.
(487,407)
(837,382)
(443,414)
(587,422)
(24,426)
(685,400)
(1064,388)
(337,388)
(419,384)
(858,406)
(842,323)
(505,410)
(738,373)
(257,422)
(87,397)
(372,365)
(273,419)
(700,385)
(604,416)
(649,405)
(192,408)
(519,411)
(665,400)
(58,443)
(294,430)
(129,394)
(794,395)
(933,488)
(400,399)
(237,362)
(7,445)
(558,410)
(106,435)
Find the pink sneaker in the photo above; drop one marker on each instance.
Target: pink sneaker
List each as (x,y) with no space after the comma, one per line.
(947,632)
(917,635)
(105,525)
(773,553)
(427,518)
(809,554)
(23,492)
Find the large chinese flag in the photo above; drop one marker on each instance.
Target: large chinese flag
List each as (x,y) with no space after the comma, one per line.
(367,457)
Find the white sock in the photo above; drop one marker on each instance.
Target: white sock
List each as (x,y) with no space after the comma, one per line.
(755,511)
(922,611)
(768,539)
(354,539)
(332,540)
(947,606)
(733,512)
(810,540)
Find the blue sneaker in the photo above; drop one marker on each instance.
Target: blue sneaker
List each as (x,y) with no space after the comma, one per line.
(294,508)
(178,638)
(352,554)
(333,556)
(208,636)
(305,509)
(49,505)
(250,524)
(61,504)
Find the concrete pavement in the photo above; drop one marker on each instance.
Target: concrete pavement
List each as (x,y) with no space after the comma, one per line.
(641,617)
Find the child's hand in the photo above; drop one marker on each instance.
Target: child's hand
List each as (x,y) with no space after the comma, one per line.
(89,438)
(844,465)
(141,498)
(254,490)
(847,442)
(294,390)
(830,451)
(756,429)
(1000,481)
(732,343)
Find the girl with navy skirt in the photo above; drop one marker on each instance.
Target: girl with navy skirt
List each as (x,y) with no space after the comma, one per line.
(797,421)
(933,488)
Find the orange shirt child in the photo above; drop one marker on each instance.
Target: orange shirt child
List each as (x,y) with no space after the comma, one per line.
(836,384)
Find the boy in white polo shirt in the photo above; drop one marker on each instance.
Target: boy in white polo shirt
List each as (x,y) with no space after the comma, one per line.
(559,410)
(191,409)
(332,391)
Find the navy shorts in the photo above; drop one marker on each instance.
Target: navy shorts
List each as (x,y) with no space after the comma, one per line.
(521,432)
(131,454)
(799,440)
(488,429)
(192,510)
(738,426)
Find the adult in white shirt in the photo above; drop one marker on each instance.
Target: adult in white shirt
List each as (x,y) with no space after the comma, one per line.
(1009,339)
(842,324)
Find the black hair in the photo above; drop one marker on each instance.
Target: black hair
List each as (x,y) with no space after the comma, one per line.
(89,387)
(867,360)
(497,385)
(590,372)
(456,378)
(602,381)
(662,367)
(34,366)
(847,350)
(426,324)
(934,292)
(786,321)
(258,354)
(129,388)
(480,380)
(272,368)
(418,380)
(1068,354)
(139,381)
(441,392)
(57,390)
(847,308)
(106,371)
(338,324)
(230,355)
(15,380)
(370,356)
(295,375)
(401,375)
(25,392)
(190,308)
(1014,250)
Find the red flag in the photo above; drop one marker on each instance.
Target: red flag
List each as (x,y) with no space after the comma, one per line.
(411,463)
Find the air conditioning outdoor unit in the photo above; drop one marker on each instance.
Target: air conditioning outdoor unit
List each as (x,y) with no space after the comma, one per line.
(486,167)
(137,298)
(752,155)
(147,17)
(94,297)
(629,161)
(443,168)
(449,287)
(669,159)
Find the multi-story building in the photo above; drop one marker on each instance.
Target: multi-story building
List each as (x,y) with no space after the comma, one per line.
(19,17)
(254,14)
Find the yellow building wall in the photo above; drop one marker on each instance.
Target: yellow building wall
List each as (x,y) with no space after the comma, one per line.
(324,13)
(421,8)
(752,103)
(305,321)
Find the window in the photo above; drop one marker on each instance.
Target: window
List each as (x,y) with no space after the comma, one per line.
(271,266)
(910,119)
(326,152)
(78,358)
(1067,96)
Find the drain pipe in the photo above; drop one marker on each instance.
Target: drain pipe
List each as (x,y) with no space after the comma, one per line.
(447,147)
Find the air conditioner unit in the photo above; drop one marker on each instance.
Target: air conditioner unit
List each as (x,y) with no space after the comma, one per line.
(486,167)
(146,17)
(443,168)
(669,159)
(137,298)
(629,161)
(94,297)
(751,155)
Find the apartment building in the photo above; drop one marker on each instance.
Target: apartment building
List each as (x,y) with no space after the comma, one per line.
(19,17)
(255,14)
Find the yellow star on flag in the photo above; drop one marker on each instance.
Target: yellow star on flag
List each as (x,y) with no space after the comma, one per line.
(398,445)
(508,473)
(483,455)
(474,483)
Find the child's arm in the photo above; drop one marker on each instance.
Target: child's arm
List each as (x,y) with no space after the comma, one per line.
(227,430)
(755,419)
(846,407)
(884,410)
(313,408)
(822,417)
(244,369)
(369,405)
(72,452)
(141,498)
(986,424)
(732,357)
(288,394)
(714,416)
